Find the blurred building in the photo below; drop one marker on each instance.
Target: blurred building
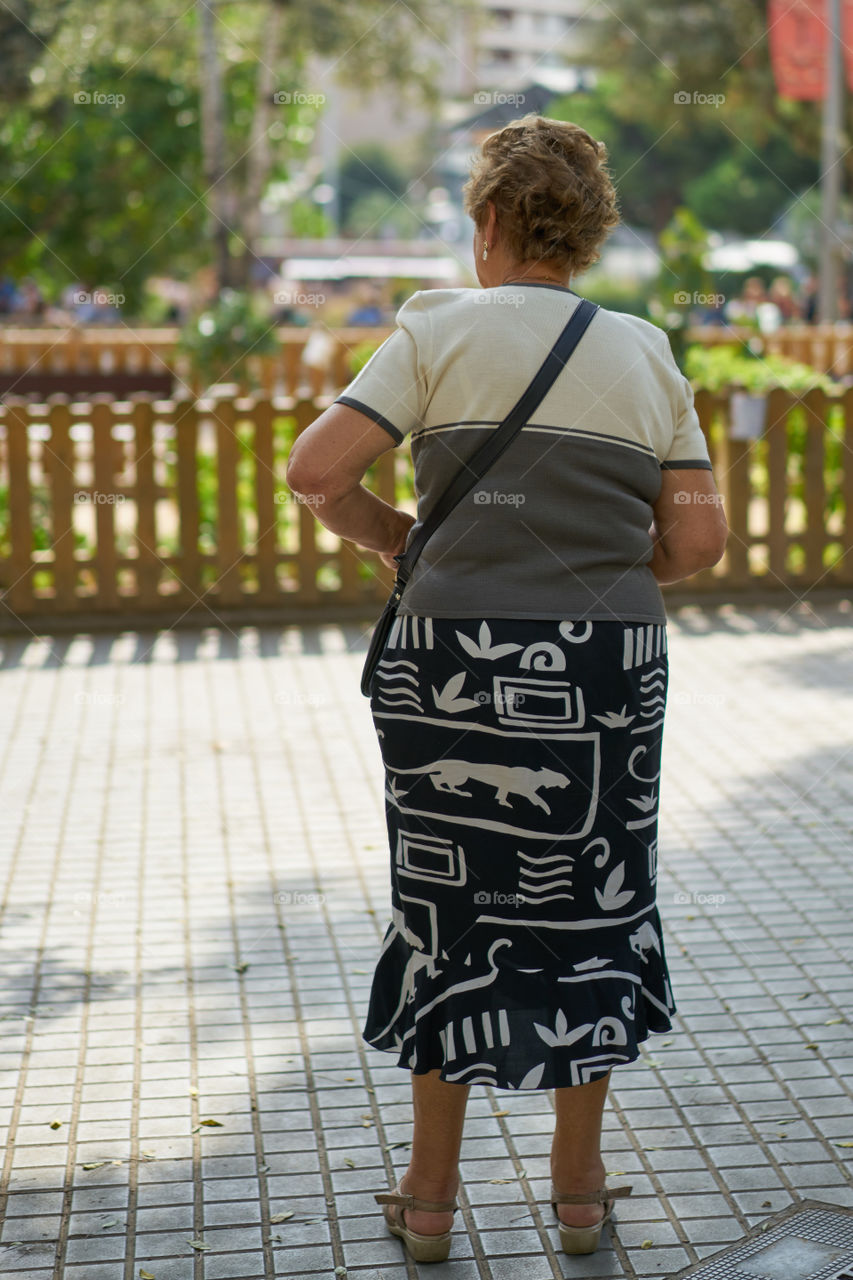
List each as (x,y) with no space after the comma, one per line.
(495,62)
(517,43)
(497,48)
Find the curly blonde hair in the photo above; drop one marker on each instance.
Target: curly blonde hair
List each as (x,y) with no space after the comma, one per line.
(552,193)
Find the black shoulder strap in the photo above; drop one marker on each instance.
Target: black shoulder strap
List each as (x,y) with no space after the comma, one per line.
(501,437)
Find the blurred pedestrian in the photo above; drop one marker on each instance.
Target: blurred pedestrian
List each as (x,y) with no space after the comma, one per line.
(370,310)
(30,302)
(808,300)
(285,294)
(8,295)
(782,295)
(745,307)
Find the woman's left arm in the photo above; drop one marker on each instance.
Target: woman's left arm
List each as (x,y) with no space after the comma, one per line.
(326,467)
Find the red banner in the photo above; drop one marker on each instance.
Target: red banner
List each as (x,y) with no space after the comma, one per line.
(798,33)
(798,39)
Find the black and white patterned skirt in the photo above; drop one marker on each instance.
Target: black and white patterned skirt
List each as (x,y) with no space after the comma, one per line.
(522,760)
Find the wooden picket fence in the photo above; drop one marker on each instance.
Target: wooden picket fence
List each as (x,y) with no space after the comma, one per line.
(788,495)
(163,510)
(124,351)
(826,347)
(71,360)
(180,507)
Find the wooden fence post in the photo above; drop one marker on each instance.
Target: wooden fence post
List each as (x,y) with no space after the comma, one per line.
(814,538)
(778,407)
(19,596)
(104,497)
(308,559)
(189,558)
(148,564)
(63,492)
(228,549)
(266,505)
(845,568)
(735,485)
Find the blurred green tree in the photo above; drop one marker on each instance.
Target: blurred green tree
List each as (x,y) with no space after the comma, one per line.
(683,276)
(364,171)
(26,27)
(732,166)
(99,193)
(245,69)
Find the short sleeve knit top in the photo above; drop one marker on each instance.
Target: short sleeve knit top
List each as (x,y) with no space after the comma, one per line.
(559,526)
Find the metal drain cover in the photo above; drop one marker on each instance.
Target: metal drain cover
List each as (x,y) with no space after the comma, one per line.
(807,1241)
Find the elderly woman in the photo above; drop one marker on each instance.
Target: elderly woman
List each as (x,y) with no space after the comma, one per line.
(519,701)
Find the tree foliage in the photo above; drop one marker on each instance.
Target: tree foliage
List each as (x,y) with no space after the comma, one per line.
(99,193)
(688,107)
(665,154)
(26,28)
(120,187)
(365,171)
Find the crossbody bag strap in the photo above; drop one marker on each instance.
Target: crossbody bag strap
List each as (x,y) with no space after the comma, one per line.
(491,449)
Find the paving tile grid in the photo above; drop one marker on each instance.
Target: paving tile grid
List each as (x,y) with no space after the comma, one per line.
(194,881)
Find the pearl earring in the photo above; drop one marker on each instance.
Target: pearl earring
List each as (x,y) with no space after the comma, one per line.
(485,251)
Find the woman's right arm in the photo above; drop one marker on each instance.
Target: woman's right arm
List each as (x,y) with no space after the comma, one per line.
(690,528)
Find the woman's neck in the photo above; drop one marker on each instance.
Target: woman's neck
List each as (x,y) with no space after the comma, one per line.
(522,275)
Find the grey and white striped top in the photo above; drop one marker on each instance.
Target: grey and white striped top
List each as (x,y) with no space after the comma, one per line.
(559,527)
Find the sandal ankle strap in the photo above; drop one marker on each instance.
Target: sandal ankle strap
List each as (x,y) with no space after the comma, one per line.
(413,1202)
(593,1197)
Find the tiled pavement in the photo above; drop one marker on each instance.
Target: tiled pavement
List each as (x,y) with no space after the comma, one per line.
(195,884)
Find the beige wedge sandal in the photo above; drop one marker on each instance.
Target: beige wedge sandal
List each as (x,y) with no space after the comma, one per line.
(421,1248)
(587,1239)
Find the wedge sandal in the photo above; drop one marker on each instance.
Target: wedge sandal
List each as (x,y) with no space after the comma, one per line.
(586,1239)
(420,1247)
